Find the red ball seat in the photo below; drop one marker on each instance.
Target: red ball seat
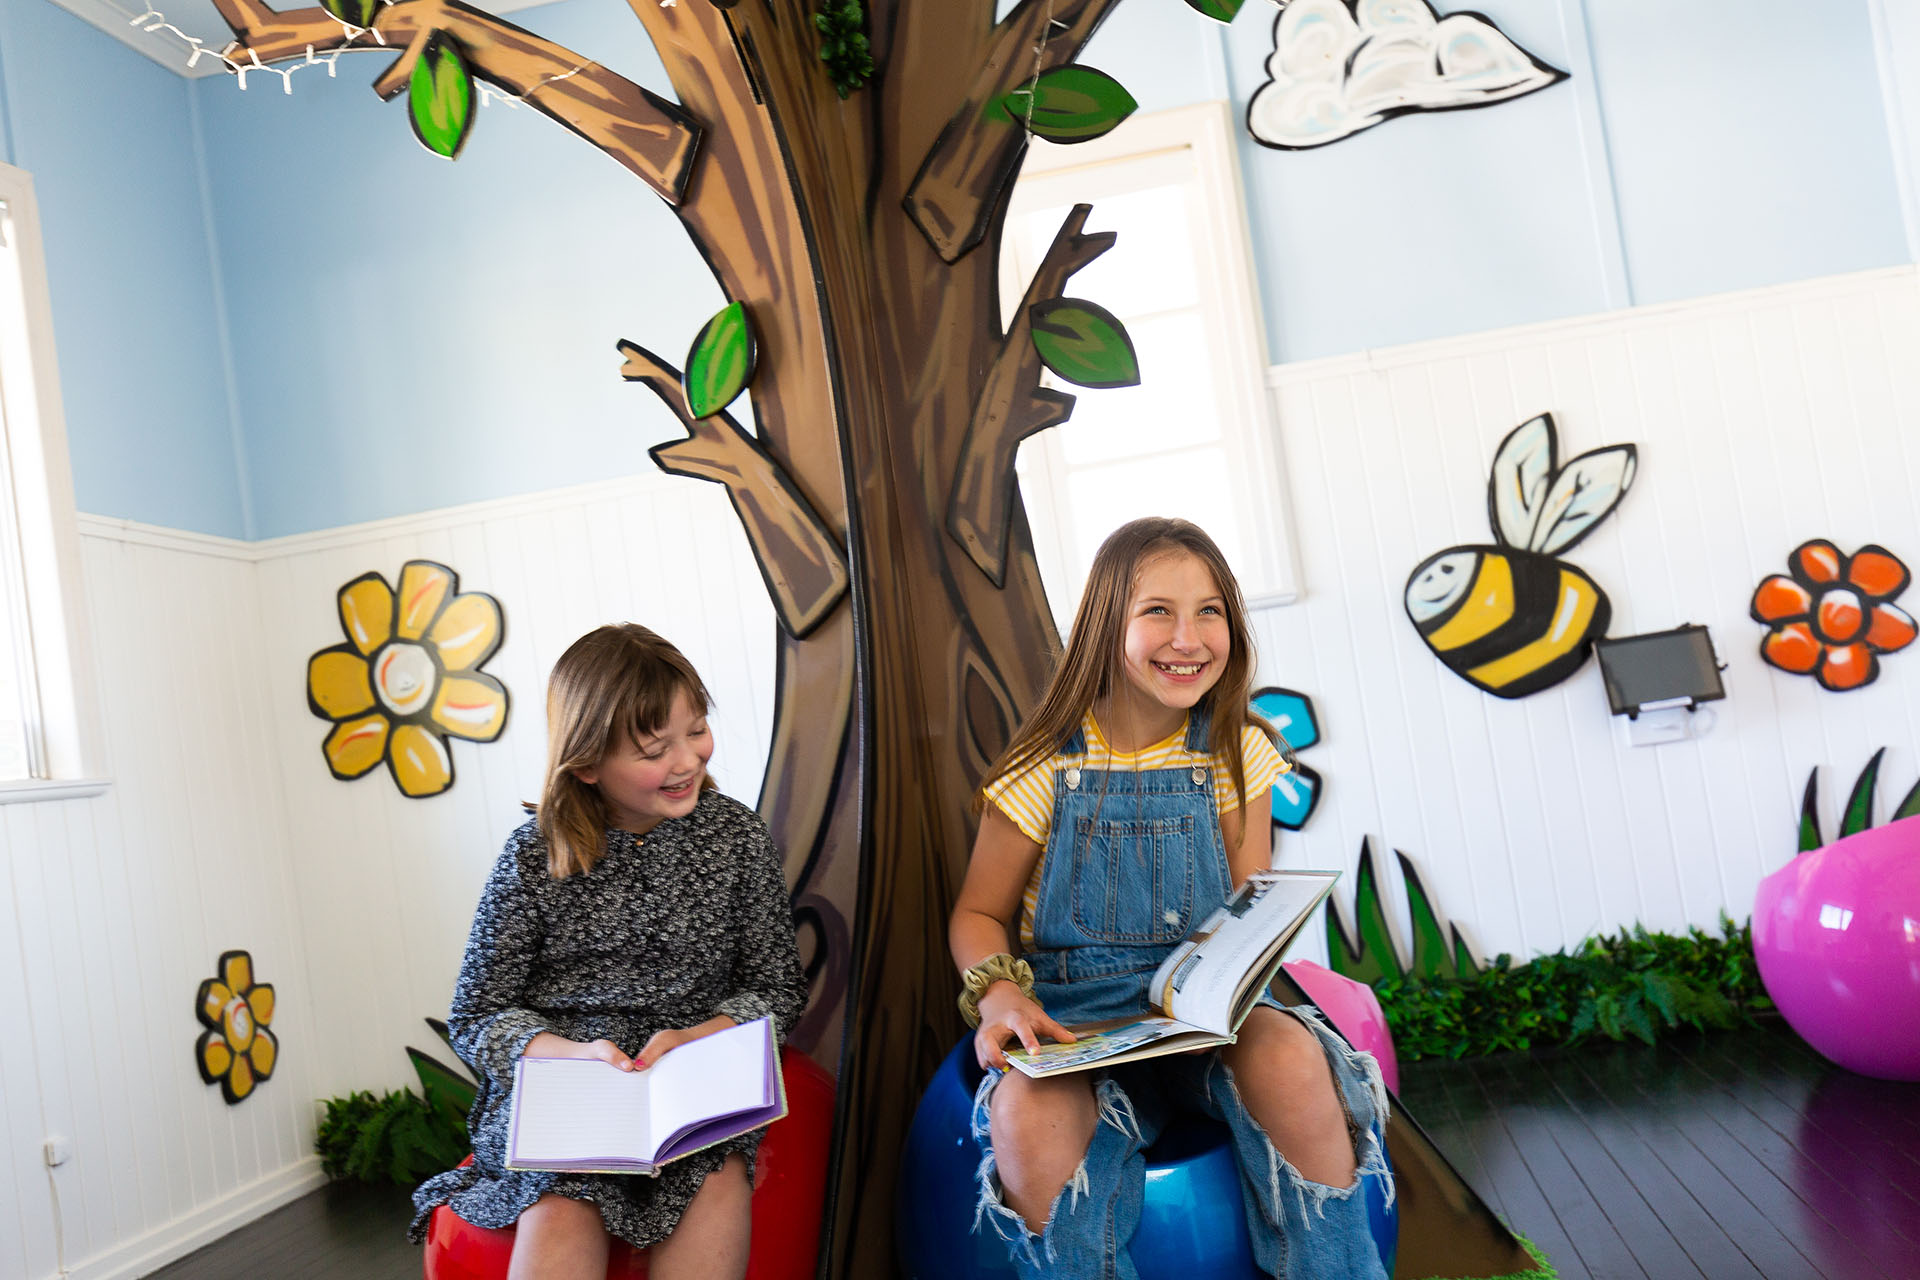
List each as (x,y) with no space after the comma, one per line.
(789,1196)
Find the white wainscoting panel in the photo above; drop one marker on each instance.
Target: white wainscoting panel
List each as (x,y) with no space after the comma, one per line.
(1762,419)
(115,908)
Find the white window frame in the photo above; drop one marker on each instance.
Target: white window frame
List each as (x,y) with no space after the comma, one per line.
(1230,308)
(66,730)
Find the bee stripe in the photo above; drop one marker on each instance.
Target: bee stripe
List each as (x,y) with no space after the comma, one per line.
(1568,629)
(1487,608)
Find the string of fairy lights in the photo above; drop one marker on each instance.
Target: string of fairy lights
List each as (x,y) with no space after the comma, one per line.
(153,21)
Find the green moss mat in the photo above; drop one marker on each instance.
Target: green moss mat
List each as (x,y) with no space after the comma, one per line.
(1543,1271)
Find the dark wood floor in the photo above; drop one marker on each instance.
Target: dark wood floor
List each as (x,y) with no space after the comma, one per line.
(1724,1157)
(1738,1155)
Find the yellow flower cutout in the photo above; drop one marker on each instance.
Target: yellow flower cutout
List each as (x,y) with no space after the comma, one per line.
(236,1051)
(408,676)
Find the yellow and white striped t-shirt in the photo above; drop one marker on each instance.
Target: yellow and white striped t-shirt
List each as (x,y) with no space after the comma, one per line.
(1026,797)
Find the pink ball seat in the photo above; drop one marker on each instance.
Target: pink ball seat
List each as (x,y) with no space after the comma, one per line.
(1836,935)
(789,1196)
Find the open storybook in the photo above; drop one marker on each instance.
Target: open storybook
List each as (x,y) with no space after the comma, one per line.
(581,1115)
(1208,985)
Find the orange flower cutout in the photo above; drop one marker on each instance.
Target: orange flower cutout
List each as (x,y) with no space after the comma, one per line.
(1831,616)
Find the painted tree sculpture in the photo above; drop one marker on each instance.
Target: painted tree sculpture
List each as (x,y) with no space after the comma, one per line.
(859,233)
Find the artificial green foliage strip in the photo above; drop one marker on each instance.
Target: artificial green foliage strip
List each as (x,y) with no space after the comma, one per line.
(1633,983)
(843,44)
(1859,814)
(399,1138)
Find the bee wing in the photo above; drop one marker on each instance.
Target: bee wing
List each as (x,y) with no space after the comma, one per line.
(1522,469)
(1585,490)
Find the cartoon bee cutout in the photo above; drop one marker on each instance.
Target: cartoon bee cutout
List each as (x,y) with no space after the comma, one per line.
(1513,619)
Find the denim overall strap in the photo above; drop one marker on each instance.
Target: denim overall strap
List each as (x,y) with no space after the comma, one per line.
(1133,859)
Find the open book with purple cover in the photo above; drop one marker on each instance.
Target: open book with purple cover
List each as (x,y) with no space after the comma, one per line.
(581,1115)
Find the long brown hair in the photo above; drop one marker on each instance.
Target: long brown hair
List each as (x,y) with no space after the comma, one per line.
(1088,667)
(612,684)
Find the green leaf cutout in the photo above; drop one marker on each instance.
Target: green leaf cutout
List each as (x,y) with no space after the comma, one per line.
(1908,807)
(1070,104)
(1464,965)
(1431,959)
(357,13)
(1222,10)
(1084,343)
(440,96)
(720,363)
(1810,814)
(1859,814)
(441,1084)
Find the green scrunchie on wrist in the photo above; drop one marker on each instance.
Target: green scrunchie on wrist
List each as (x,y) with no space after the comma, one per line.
(999,967)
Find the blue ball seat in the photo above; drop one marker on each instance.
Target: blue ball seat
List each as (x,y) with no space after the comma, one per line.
(1191,1224)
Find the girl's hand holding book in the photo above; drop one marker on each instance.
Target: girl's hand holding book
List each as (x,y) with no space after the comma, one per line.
(549,1044)
(1007,1014)
(672,1038)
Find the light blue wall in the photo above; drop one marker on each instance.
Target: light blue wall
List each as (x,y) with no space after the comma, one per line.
(411,333)
(1749,142)
(407,333)
(109,139)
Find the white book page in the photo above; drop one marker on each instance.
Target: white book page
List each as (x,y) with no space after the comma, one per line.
(712,1076)
(1203,980)
(579,1109)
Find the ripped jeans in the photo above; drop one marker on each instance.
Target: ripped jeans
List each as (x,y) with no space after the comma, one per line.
(1300,1230)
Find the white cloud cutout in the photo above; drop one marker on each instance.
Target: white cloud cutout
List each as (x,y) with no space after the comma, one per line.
(1340,66)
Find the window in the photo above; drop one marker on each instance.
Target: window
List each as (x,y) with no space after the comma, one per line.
(46,715)
(1195,438)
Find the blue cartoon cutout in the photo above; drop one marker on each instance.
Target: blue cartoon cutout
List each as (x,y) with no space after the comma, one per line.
(1297,792)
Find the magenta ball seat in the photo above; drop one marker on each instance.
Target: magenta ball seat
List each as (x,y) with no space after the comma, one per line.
(1836,934)
(1353,1010)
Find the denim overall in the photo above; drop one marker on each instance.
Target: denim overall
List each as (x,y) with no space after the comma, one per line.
(1133,859)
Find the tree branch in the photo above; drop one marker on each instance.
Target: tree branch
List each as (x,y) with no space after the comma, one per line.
(1013,405)
(804,567)
(651,137)
(964,174)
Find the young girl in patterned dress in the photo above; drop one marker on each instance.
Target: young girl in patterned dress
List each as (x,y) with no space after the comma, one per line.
(1130,805)
(639,910)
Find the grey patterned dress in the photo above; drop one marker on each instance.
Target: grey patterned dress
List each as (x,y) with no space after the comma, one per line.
(667,930)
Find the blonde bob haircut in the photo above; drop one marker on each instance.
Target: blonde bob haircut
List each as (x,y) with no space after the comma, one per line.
(1093,655)
(614,684)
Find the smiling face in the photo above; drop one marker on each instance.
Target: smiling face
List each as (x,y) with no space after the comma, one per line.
(658,777)
(1175,646)
(1439,583)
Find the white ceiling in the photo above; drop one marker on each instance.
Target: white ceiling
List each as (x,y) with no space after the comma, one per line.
(170,47)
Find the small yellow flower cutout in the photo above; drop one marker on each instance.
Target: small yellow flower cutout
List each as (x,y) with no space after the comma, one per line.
(408,676)
(236,1051)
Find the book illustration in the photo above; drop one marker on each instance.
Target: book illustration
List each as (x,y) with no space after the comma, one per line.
(582,1115)
(1208,983)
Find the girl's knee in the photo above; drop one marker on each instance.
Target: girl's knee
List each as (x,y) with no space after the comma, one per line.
(558,1217)
(1047,1112)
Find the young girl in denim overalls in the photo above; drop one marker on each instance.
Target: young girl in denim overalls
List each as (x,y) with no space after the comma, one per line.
(1112,824)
